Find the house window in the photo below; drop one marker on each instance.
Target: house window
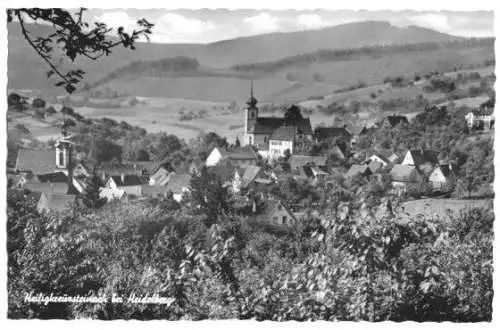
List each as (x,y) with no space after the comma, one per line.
(265,139)
(275,219)
(250,140)
(61,158)
(284,219)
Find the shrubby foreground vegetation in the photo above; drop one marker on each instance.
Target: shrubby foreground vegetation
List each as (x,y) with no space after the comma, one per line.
(352,263)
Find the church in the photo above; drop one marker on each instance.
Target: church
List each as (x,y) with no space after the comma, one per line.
(273,136)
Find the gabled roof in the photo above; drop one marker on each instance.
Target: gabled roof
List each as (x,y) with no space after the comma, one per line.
(179,182)
(150,166)
(284,133)
(128,180)
(322,133)
(118,169)
(161,177)
(249,173)
(148,190)
(267,125)
(38,162)
(422,156)
(403,173)
(296,161)
(273,206)
(47,187)
(57,202)
(446,170)
(395,120)
(241,153)
(358,169)
(53,177)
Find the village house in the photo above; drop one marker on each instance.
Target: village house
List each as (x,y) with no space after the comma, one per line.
(405,177)
(118,186)
(357,169)
(179,185)
(442,177)
(394,120)
(338,133)
(298,161)
(481,119)
(278,214)
(248,176)
(260,131)
(419,157)
(313,173)
(236,156)
(55,202)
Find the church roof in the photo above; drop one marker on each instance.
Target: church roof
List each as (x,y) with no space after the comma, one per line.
(267,125)
(284,133)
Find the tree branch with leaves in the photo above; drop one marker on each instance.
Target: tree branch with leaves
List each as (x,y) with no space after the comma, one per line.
(75,37)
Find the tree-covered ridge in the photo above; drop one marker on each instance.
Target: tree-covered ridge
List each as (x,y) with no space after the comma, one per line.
(157,68)
(330,55)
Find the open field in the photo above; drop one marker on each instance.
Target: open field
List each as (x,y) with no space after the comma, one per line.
(441,208)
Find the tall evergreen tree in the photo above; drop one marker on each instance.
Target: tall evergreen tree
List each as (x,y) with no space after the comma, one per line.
(91,196)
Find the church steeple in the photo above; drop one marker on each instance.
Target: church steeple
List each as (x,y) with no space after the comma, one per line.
(252,101)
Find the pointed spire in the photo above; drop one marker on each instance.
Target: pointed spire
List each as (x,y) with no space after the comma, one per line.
(252,101)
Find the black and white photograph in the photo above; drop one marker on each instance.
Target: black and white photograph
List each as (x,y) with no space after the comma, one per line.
(198,164)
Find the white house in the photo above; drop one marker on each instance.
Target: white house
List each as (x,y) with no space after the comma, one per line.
(236,156)
(441,178)
(479,119)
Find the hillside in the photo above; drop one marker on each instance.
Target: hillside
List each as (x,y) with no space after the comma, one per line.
(27,71)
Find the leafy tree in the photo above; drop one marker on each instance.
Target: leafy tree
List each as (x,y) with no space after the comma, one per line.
(91,196)
(293,114)
(38,103)
(78,39)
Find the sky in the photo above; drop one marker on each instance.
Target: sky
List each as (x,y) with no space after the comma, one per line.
(209,25)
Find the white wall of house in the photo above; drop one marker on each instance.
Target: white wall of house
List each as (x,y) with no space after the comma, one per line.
(214,158)
(408,160)
(277,148)
(375,158)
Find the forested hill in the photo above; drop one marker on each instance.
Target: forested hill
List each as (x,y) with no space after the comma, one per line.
(26,70)
(349,54)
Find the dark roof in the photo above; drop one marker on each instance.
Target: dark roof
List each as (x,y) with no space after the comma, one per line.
(150,166)
(322,133)
(178,181)
(422,156)
(297,161)
(358,169)
(128,180)
(267,125)
(241,153)
(284,133)
(148,190)
(394,120)
(38,162)
(117,168)
(47,187)
(446,170)
(403,173)
(53,177)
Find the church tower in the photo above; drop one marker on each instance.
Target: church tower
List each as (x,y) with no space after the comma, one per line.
(63,149)
(251,115)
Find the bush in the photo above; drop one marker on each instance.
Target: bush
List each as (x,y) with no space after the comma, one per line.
(50,111)
(38,103)
(22,128)
(40,113)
